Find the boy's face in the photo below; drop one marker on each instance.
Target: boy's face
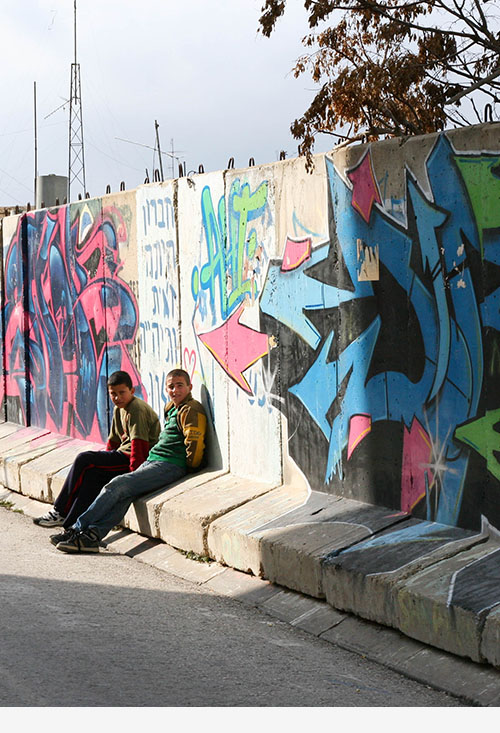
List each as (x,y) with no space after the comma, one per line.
(177,389)
(121,395)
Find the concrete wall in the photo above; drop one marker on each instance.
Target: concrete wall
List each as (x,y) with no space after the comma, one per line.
(341,327)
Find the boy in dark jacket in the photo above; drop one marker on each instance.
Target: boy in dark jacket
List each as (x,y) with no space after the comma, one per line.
(179,450)
(134,431)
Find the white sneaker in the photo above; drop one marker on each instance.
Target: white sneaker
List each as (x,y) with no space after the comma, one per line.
(51,519)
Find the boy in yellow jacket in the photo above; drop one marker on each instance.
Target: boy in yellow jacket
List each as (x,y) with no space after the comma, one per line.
(134,430)
(179,449)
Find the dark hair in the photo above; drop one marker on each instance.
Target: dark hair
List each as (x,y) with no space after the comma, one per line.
(180,373)
(120,378)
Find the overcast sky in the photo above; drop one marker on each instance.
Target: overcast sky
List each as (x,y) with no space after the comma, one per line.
(217,88)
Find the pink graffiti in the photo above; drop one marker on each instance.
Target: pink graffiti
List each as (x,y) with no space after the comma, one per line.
(359,427)
(296,252)
(190,362)
(80,319)
(417,451)
(236,347)
(365,189)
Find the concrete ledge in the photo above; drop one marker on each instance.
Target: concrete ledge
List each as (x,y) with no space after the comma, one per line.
(19,446)
(7,428)
(365,578)
(490,641)
(446,605)
(184,519)
(293,547)
(143,515)
(234,539)
(429,581)
(37,474)
(394,650)
(18,502)
(245,588)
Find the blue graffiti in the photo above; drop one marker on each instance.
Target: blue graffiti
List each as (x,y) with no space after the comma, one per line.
(437,233)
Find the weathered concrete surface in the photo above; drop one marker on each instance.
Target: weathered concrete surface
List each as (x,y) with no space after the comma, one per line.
(365,578)
(193,242)
(157,273)
(25,504)
(446,604)
(246,588)
(21,446)
(490,641)
(293,547)
(433,583)
(7,428)
(143,515)
(234,540)
(36,475)
(412,658)
(184,519)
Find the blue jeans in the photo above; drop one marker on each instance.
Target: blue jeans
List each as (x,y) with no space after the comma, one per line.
(109,508)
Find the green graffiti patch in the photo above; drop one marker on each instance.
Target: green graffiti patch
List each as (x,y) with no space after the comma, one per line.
(483,438)
(483,187)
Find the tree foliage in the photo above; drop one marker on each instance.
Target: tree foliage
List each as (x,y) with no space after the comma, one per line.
(396,67)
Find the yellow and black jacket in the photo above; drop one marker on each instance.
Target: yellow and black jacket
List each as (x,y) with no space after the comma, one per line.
(182,440)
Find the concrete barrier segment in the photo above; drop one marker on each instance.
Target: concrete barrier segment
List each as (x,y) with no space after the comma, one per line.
(21,446)
(36,474)
(448,604)
(233,539)
(293,548)
(364,578)
(490,640)
(143,515)
(7,428)
(184,520)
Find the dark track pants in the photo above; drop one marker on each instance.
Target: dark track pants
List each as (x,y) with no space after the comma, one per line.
(90,471)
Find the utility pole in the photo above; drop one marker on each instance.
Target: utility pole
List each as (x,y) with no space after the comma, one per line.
(76,165)
(159,149)
(36,138)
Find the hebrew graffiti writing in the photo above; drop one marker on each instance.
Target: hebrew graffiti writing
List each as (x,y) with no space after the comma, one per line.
(158,291)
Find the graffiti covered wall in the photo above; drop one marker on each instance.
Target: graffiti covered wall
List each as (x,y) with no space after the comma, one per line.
(341,327)
(388,331)
(70,318)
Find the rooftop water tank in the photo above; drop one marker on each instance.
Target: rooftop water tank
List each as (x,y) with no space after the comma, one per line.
(50,189)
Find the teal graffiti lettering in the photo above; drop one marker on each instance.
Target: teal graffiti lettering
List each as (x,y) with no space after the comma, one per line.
(226,274)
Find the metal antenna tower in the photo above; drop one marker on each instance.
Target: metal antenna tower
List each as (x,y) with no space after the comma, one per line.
(76,166)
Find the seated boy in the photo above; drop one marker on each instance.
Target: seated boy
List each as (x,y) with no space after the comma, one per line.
(134,430)
(179,449)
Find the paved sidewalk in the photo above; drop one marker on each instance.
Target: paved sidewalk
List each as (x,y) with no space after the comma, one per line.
(476,684)
(359,575)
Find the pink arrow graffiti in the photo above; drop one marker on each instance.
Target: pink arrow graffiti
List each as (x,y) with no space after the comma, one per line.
(236,347)
(365,189)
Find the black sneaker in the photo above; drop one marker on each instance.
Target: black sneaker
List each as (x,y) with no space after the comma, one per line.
(51,519)
(62,536)
(85,541)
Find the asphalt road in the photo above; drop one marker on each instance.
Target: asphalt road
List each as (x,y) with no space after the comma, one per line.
(106,630)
